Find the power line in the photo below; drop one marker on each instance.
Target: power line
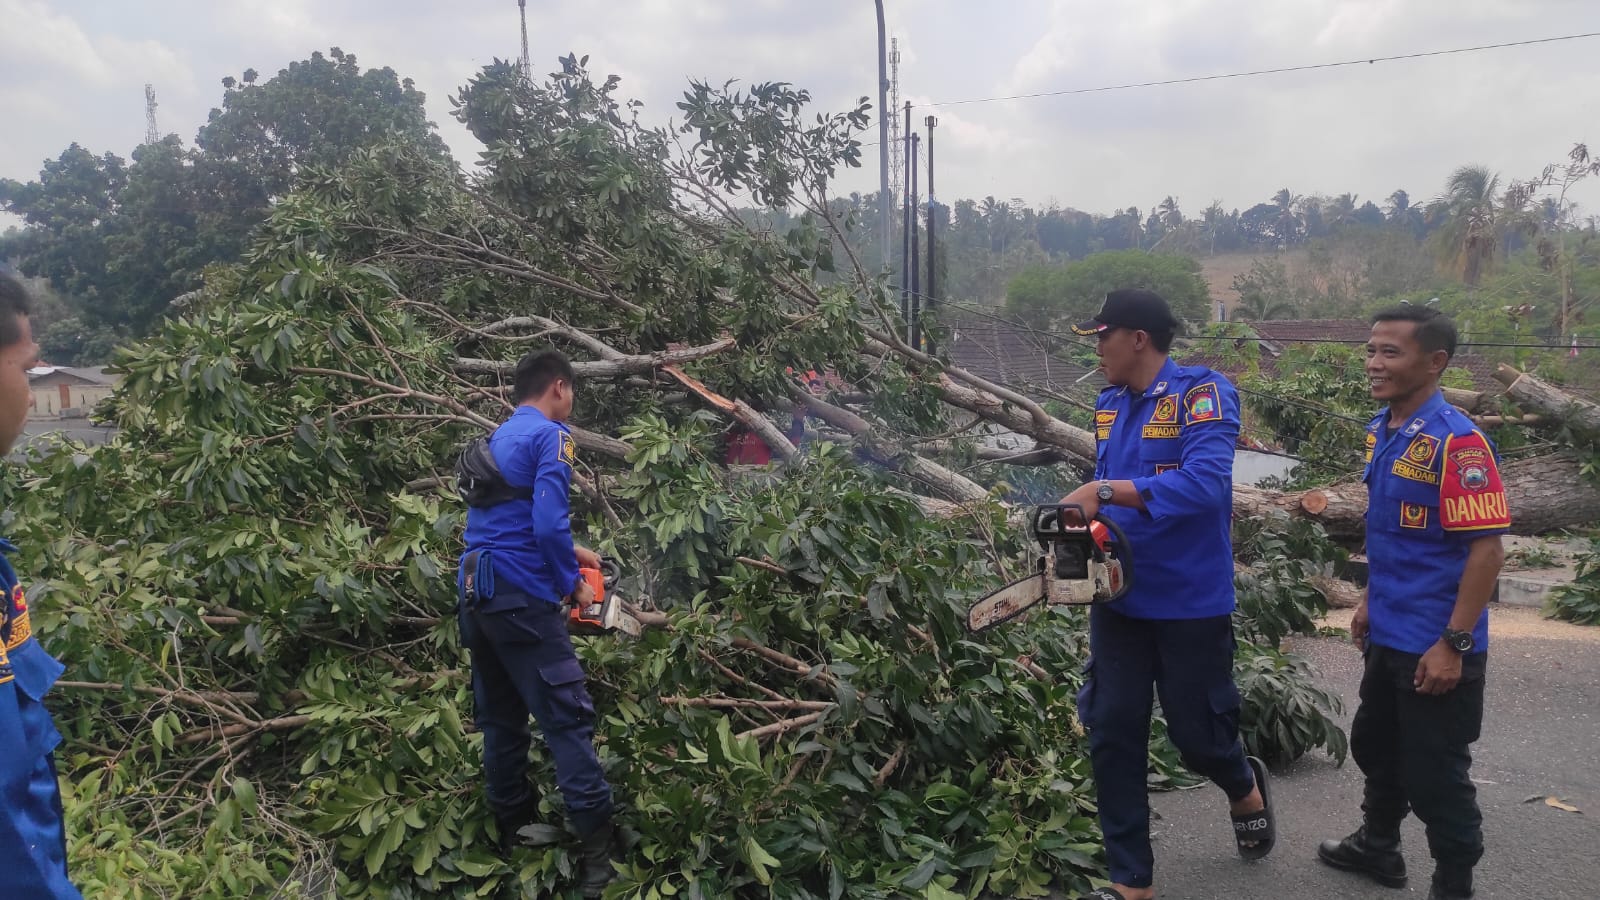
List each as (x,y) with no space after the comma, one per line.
(1465,340)
(1275,71)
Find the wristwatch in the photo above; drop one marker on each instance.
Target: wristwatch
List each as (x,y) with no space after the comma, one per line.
(1459,641)
(1105,493)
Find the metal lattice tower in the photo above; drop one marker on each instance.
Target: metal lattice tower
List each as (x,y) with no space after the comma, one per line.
(152,134)
(527,62)
(897,150)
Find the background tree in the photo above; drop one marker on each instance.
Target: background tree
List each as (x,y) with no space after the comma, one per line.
(1051,296)
(122,241)
(1468,236)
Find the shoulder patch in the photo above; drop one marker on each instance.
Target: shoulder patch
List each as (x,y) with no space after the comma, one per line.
(1471,497)
(1372,444)
(569,449)
(1201,404)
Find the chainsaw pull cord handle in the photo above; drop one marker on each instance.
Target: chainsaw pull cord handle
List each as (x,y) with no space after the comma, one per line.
(1124,549)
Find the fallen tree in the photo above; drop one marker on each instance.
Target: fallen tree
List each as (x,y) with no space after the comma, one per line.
(253,583)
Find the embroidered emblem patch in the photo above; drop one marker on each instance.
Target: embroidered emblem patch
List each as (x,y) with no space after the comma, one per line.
(1372,443)
(1471,497)
(1423,451)
(1103,420)
(1166,412)
(1202,404)
(19,599)
(1413,515)
(569,450)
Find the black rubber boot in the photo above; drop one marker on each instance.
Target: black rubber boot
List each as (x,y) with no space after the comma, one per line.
(508,823)
(1375,856)
(596,853)
(1451,884)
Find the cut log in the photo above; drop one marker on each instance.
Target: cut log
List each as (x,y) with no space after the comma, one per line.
(1536,396)
(1546,493)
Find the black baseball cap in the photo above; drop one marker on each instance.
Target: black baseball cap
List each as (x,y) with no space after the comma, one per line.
(1133,308)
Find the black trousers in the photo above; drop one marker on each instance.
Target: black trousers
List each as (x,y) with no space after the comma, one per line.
(1189,664)
(1413,749)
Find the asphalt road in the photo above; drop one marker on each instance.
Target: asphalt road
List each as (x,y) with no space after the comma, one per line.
(1541,736)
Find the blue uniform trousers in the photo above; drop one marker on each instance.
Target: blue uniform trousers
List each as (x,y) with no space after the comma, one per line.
(523,662)
(1189,663)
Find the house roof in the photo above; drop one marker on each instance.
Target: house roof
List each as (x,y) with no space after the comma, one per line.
(86,374)
(1007,352)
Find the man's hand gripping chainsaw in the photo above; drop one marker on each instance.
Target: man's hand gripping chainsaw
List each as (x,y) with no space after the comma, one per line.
(607,611)
(1080,562)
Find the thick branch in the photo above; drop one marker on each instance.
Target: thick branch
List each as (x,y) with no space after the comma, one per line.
(1538,396)
(746,414)
(282,723)
(781,726)
(742,703)
(954,484)
(605,368)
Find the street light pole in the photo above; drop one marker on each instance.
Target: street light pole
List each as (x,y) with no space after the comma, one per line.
(883,145)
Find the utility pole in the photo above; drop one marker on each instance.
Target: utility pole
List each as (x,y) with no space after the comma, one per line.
(883,146)
(916,266)
(908,224)
(933,212)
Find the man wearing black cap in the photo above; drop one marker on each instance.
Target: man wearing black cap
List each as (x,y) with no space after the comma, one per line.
(1165,438)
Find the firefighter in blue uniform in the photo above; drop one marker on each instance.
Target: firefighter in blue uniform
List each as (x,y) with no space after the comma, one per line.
(1165,437)
(519,567)
(1436,511)
(33,847)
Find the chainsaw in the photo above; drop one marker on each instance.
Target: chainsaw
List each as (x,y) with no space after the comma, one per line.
(607,612)
(1081,561)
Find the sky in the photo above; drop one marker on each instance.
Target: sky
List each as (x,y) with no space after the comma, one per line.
(75,70)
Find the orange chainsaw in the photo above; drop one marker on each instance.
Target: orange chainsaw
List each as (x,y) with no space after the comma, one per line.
(607,611)
(1081,561)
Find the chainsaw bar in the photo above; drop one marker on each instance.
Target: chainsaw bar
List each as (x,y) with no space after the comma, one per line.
(1007,603)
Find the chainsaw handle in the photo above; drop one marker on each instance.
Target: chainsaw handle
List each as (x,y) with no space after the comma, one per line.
(1124,552)
(610,571)
(1049,523)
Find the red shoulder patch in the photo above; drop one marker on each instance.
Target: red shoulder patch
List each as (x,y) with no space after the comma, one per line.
(1471,497)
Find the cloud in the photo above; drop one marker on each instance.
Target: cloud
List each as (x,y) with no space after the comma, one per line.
(73,72)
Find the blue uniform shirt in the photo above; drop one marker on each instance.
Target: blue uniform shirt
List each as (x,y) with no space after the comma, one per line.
(1432,488)
(33,852)
(1175,442)
(530,541)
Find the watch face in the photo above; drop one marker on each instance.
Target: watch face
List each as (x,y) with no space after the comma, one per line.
(1461,640)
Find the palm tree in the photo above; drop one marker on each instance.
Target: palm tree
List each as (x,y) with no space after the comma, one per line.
(1468,236)
(1170,215)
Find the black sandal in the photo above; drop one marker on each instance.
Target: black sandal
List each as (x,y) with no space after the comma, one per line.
(1256,828)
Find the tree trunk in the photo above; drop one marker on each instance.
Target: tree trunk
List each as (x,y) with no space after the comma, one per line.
(1546,493)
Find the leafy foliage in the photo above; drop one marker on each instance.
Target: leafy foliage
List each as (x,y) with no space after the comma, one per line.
(1318,404)
(1286,714)
(1579,601)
